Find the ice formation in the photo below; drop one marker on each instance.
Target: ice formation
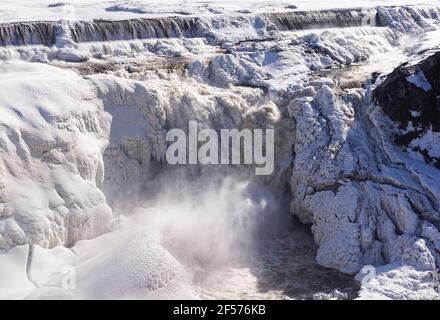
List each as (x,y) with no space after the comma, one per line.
(88,105)
(53,135)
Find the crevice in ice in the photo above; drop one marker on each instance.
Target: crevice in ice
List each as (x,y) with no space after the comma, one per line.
(30,256)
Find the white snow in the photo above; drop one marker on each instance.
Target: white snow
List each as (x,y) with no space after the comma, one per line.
(415,114)
(427,41)
(51,145)
(429,142)
(419,80)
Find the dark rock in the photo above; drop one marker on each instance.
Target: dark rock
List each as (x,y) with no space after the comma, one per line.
(416,101)
(398,97)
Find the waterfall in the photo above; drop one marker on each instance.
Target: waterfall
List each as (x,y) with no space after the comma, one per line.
(27,33)
(302,20)
(104,30)
(44,33)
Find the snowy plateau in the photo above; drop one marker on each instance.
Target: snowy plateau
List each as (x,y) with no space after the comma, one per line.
(90,208)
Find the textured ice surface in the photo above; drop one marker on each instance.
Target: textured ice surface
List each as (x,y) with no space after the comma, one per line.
(136,266)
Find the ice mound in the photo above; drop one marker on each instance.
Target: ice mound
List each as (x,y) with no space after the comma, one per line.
(400,282)
(408,19)
(135,267)
(234,69)
(381,217)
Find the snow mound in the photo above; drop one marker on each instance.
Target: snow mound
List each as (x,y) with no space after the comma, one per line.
(136,268)
(129,7)
(72,55)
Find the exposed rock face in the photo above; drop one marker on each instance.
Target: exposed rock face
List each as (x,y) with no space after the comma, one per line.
(410,96)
